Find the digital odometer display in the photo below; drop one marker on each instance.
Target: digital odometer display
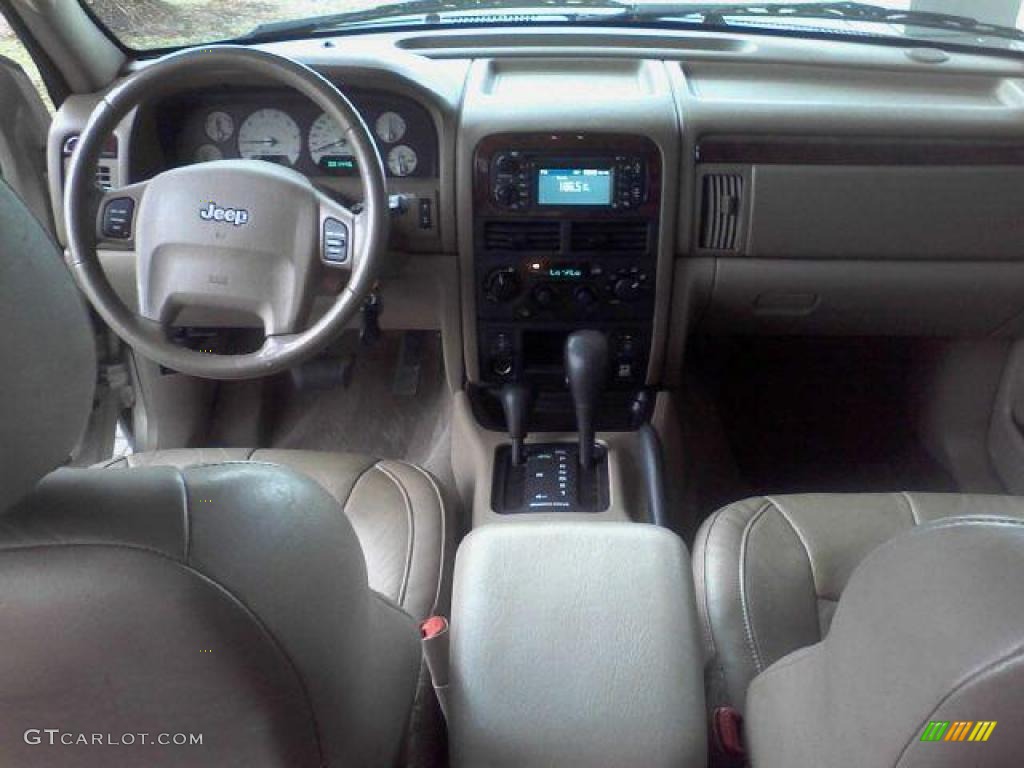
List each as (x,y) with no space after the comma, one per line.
(574,186)
(340,164)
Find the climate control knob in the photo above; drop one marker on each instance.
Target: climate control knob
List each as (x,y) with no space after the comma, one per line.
(545,296)
(626,289)
(501,285)
(585,297)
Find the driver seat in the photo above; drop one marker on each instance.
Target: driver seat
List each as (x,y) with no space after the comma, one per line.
(398,511)
(219,596)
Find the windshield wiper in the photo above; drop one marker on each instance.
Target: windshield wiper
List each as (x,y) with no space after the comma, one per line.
(428,10)
(719,14)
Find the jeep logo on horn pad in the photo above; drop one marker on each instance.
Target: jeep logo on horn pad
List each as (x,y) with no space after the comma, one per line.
(213,212)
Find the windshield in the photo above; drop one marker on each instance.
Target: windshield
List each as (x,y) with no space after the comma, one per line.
(157,24)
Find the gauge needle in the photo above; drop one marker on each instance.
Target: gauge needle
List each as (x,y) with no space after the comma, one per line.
(322,147)
(270,141)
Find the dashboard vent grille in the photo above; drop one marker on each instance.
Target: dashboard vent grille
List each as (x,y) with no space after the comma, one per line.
(522,236)
(609,236)
(104,178)
(723,194)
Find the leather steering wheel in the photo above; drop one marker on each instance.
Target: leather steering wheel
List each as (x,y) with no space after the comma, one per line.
(232,235)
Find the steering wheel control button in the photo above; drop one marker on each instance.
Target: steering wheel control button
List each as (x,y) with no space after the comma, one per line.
(335,242)
(117,218)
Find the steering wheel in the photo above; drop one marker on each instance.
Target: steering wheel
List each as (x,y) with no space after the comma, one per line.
(232,235)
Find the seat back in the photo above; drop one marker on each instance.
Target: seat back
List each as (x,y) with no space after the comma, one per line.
(48,370)
(923,665)
(212,616)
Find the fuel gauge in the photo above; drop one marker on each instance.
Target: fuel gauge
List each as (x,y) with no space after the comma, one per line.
(402,160)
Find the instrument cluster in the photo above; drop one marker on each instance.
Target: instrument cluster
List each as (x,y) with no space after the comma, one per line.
(282,128)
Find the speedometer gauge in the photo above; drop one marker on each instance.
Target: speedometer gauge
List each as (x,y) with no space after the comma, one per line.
(270,134)
(328,146)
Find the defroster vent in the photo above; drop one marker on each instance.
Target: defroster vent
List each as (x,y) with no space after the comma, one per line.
(723,196)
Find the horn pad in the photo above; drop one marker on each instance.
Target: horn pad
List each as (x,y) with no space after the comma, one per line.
(234,234)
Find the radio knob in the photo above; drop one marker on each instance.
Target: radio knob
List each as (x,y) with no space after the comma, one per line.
(626,289)
(501,285)
(508,164)
(585,296)
(507,195)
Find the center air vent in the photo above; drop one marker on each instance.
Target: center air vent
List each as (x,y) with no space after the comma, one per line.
(723,195)
(539,236)
(609,236)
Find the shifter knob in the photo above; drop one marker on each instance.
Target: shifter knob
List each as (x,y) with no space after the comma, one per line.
(516,400)
(586,369)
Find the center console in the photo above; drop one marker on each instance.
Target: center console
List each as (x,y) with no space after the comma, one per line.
(565,237)
(565,266)
(575,644)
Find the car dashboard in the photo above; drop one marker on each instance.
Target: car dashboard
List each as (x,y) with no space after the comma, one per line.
(650,183)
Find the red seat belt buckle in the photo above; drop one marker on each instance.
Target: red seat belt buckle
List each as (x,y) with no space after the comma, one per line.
(433,626)
(727,732)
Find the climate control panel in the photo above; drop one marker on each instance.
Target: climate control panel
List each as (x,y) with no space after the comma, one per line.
(566,290)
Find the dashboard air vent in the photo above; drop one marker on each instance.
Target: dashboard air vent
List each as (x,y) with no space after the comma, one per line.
(104,177)
(609,236)
(522,236)
(723,194)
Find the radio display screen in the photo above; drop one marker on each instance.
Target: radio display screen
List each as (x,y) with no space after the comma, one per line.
(574,186)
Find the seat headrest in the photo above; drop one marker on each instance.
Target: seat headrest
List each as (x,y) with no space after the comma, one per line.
(928,630)
(48,369)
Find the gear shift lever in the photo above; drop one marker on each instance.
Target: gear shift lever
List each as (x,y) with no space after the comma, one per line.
(516,400)
(586,369)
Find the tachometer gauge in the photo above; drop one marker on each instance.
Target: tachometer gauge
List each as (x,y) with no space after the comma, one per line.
(402,160)
(220,126)
(207,153)
(328,146)
(270,134)
(390,127)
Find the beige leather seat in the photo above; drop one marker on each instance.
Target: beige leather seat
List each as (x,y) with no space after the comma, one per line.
(398,511)
(770,571)
(923,666)
(227,602)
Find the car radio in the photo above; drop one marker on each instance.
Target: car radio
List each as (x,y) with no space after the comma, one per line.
(525,181)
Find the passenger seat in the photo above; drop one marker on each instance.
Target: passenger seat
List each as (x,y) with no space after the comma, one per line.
(769,571)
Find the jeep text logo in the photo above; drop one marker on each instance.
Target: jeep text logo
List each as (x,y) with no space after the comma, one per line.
(214,212)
